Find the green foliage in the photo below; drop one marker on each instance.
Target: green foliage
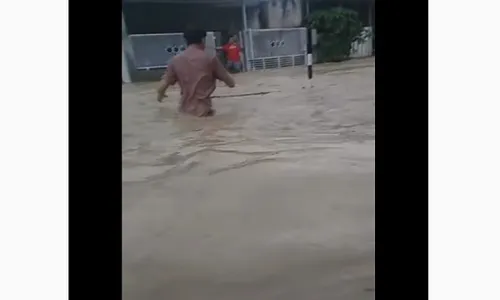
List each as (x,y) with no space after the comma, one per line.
(337,29)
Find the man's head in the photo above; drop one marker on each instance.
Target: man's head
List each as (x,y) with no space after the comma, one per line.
(195,37)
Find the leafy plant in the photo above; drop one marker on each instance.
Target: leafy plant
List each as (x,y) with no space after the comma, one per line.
(337,29)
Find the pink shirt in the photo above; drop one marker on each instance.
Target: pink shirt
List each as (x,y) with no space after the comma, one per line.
(196,72)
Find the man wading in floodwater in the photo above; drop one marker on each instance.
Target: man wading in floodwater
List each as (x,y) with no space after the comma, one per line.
(196,72)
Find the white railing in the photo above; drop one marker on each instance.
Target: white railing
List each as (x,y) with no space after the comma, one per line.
(363,48)
(274,48)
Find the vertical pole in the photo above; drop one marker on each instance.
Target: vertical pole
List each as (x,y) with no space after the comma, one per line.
(244,15)
(125,44)
(126,40)
(370,23)
(125,70)
(370,14)
(210,43)
(309,44)
(250,39)
(245,34)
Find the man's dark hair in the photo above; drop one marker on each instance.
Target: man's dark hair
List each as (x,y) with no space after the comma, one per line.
(194,36)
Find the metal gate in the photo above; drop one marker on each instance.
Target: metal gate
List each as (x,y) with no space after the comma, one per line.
(275,48)
(364,47)
(154,51)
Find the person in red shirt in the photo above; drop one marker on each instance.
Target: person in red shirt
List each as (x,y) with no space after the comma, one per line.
(233,55)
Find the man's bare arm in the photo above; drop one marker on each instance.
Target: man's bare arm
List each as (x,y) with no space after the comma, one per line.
(161,90)
(168,79)
(221,73)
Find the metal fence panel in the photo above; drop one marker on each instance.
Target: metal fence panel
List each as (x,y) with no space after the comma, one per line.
(156,50)
(363,48)
(278,42)
(276,48)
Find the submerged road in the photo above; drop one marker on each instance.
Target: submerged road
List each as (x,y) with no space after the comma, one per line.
(273,198)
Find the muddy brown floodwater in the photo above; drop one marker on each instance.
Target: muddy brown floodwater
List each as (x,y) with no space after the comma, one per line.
(273,198)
